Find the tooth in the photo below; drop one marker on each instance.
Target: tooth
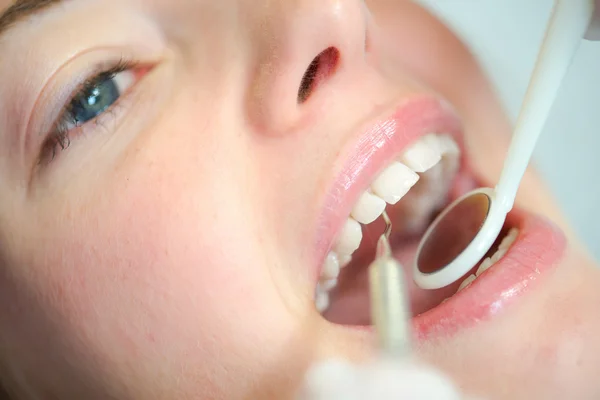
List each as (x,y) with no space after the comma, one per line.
(447,148)
(485,264)
(350,237)
(501,252)
(434,185)
(368,208)
(447,145)
(498,255)
(327,284)
(434,141)
(450,153)
(331,266)
(466,282)
(394,182)
(321,300)
(421,156)
(505,244)
(509,239)
(344,259)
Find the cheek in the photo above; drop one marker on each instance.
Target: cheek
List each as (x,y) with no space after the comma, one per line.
(154,268)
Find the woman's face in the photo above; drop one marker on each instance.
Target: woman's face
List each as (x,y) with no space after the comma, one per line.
(178,179)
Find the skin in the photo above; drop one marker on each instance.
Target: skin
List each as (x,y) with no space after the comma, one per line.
(165,254)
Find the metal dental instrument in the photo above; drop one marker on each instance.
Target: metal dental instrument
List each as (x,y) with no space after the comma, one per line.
(463,233)
(389,302)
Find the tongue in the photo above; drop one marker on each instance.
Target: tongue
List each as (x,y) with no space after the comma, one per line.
(350,303)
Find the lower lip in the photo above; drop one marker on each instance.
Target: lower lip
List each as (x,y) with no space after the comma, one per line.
(537,251)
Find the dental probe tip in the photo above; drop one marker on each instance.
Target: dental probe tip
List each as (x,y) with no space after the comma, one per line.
(388,225)
(383,248)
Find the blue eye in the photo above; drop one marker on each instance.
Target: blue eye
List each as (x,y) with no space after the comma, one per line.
(93,101)
(94,98)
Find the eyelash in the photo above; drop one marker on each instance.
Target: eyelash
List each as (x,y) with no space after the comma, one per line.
(59,138)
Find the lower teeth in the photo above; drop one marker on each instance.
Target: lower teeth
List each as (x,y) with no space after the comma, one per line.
(487,263)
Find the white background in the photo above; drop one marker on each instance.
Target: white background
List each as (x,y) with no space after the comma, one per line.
(506,35)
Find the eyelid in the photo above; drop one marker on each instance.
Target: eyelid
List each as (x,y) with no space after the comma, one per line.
(62,85)
(114,116)
(126,81)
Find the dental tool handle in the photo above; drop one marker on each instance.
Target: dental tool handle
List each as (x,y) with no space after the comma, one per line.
(389,303)
(569,22)
(593,32)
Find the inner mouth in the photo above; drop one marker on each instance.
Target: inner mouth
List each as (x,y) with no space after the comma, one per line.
(413,189)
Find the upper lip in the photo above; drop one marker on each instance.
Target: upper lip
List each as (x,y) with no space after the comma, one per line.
(365,155)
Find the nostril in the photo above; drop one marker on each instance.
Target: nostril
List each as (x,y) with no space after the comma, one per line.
(321,68)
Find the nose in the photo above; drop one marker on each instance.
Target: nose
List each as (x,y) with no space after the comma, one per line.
(304,47)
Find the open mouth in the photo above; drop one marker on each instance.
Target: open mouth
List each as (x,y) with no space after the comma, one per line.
(415,184)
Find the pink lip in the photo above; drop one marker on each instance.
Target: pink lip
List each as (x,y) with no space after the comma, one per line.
(537,251)
(369,153)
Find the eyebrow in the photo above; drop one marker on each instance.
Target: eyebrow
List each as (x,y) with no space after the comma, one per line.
(21,9)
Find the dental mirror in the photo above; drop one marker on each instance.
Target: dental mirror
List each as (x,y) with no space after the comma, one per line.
(463,233)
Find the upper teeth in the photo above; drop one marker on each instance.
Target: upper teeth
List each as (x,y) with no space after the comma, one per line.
(421,156)
(368,208)
(349,238)
(392,184)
